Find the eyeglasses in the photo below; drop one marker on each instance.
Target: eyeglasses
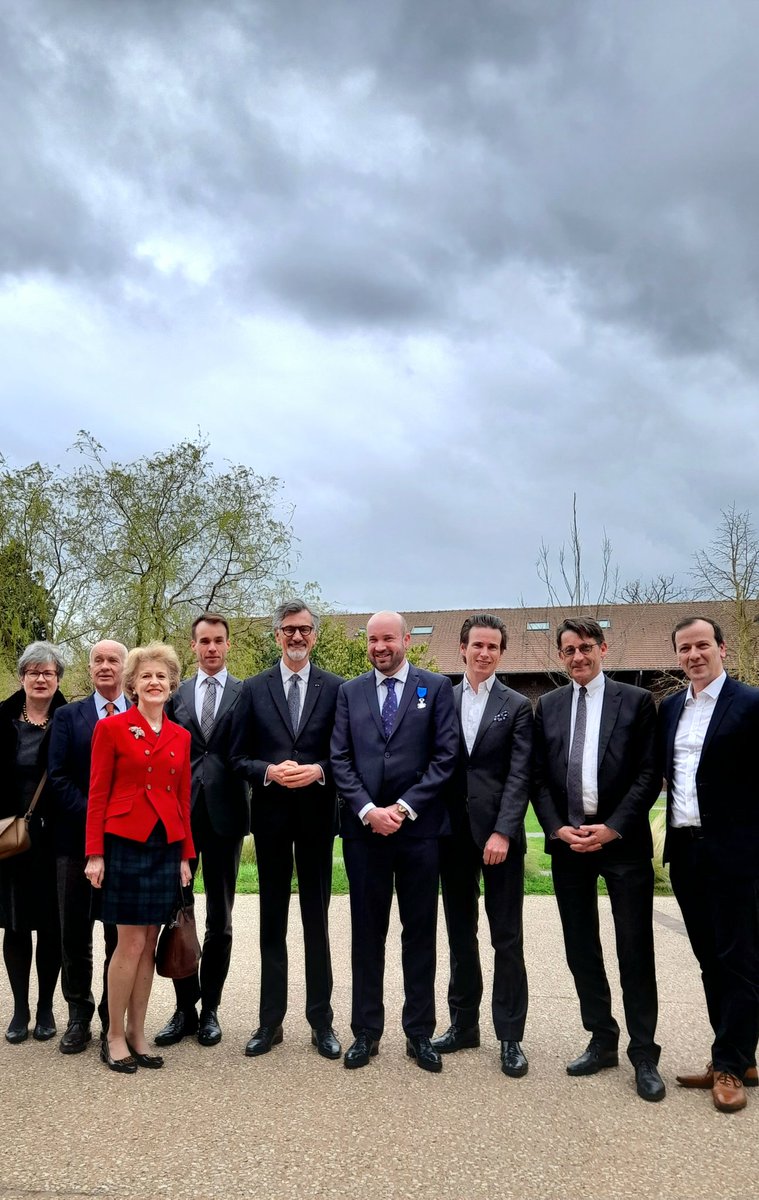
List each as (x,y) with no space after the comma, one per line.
(290,630)
(583,648)
(46,675)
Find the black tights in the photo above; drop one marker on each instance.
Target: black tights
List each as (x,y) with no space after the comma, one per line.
(17,952)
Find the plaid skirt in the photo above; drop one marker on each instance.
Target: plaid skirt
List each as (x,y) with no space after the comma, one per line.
(141,884)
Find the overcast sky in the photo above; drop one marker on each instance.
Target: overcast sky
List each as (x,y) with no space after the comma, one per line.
(436,265)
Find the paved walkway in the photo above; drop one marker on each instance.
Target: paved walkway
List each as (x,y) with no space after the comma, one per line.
(216,1125)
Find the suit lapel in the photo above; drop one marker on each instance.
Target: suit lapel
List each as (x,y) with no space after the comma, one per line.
(370,695)
(277,691)
(564,715)
(231,688)
(496,702)
(609,712)
(186,700)
(89,711)
(724,700)
(313,691)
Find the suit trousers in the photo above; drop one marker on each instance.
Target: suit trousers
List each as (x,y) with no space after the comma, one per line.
(461,867)
(630,885)
(721,915)
(276,851)
(373,866)
(75,900)
(219,856)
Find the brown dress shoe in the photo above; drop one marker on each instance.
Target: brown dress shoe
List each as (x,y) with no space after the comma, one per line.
(705,1079)
(728,1093)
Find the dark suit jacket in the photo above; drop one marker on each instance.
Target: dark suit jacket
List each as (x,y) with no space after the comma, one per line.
(10,796)
(69,772)
(227,797)
(491,786)
(414,764)
(727,778)
(136,780)
(628,779)
(263,735)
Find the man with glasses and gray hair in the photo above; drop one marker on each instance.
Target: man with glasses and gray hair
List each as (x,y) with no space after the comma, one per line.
(594,783)
(280,745)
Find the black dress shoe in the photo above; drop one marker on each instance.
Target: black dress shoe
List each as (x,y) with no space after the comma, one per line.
(75,1037)
(209,1029)
(124,1066)
(648,1082)
(263,1039)
(513,1060)
(18,1030)
(426,1056)
(151,1061)
(326,1042)
(359,1053)
(594,1059)
(457,1039)
(181,1024)
(45,1027)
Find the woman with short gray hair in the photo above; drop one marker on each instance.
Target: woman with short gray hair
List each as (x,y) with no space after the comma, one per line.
(28,899)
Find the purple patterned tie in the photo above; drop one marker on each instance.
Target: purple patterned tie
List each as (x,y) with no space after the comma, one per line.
(389,708)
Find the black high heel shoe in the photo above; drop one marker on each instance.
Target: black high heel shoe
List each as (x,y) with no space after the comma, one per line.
(125,1066)
(151,1061)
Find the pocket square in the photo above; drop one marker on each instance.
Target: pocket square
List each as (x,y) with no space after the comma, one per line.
(501,716)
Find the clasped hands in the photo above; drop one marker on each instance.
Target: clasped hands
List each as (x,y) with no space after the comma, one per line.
(386,820)
(587,838)
(290,774)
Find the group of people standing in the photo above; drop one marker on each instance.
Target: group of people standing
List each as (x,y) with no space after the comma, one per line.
(429,785)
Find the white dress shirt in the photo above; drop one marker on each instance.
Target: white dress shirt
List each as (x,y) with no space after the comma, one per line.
(400,678)
(689,742)
(594,702)
(119,704)
(304,674)
(200,690)
(473,707)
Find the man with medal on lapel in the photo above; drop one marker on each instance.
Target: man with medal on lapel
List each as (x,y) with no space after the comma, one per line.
(394,749)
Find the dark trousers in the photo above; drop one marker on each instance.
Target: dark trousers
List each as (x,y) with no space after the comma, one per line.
(220,858)
(276,850)
(460,869)
(75,899)
(373,866)
(631,892)
(721,915)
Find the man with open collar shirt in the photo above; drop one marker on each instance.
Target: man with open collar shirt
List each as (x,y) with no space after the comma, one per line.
(205,705)
(488,800)
(595,779)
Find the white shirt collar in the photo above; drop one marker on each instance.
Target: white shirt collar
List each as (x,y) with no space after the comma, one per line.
(595,685)
(401,674)
(303,673)
(220,677)
(487,684)
(712,689)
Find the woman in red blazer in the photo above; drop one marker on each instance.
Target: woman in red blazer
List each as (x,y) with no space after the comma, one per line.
(138,840)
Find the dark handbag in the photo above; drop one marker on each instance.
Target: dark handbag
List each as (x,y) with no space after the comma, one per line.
(14,831)
(178,951)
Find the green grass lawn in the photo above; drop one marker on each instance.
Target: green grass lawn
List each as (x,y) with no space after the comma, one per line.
(537,868)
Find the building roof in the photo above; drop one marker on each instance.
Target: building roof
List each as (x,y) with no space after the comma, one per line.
(638,635)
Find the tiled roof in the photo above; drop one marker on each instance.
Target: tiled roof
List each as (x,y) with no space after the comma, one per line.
(639,635)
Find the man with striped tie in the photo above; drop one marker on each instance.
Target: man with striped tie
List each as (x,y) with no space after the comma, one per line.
(205,705)
(595,781)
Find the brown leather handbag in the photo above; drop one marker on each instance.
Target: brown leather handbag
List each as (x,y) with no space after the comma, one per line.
(14,831)
(177,953)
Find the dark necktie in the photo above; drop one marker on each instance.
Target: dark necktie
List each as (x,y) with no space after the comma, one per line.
(389,708)
(293,702)
(110,708)
(576,811)
(208,709)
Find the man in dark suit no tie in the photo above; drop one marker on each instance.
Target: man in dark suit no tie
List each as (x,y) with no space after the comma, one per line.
(488,801)
(708,746)
(595,781)
(281,745)
(205,706)
(69,772)
(394,750)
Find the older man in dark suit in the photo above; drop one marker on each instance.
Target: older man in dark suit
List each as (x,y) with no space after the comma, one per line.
(281,745)
(69,773)
(488,801)
(595,781)
(708,745)
(205,705)
(394,750)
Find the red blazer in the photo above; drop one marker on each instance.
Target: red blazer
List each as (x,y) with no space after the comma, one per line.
(135,780)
